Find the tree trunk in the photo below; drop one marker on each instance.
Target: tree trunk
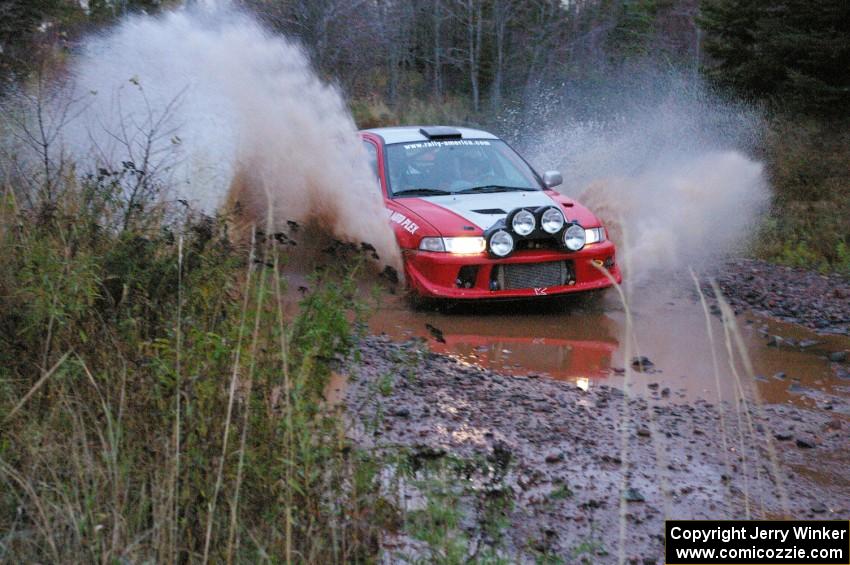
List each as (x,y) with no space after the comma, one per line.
(438,50)
(474,39)
(500,22)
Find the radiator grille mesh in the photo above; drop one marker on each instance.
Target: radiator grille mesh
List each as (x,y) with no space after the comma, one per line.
(533,275)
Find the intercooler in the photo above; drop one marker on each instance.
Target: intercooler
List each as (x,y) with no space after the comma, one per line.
(533,275)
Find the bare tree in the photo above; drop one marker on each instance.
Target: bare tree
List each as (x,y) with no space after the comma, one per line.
(139,153)
(35,118)
(468,15)
(503,12)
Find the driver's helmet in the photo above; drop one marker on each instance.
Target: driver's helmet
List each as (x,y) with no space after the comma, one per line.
(471,165)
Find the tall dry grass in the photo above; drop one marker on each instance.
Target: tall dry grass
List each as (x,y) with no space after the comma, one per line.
(157,403)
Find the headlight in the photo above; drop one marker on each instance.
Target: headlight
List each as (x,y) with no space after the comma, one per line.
(464,245)
(574,237)
(523,222)
(594,235)
(432,244)
(552,220)
(501,243)
(455,245)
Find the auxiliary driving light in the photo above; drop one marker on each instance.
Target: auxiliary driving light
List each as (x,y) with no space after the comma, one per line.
(574,237)
(552,220)
(502,243)
(523,222)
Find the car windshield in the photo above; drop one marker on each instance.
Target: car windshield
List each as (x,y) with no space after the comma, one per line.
(430,168)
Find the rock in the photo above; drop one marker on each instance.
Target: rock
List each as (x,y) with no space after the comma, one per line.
(761,378)
(665,392)
(403,412)
(436,333)
(807,343)
(642,363)
(643,432)
(633,495)
(819,508)
(796,389)
(780,376)
(838,356)
(774,341)
(832,425)
(783,436)
(804,443)
(554,457)
(653,386)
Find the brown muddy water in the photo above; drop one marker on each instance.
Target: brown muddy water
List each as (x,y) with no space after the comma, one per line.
(583,342)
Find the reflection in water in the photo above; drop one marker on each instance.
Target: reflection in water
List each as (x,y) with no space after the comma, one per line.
(582,343)
(513,338)
(585,344)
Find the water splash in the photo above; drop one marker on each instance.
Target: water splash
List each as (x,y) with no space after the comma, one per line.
(244,116)
(657,156)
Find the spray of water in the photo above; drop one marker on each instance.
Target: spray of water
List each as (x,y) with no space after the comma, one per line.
(241,116)
(657,156)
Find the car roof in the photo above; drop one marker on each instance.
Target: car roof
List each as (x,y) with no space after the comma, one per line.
(408,134)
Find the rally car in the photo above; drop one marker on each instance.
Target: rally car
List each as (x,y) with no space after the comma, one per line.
(475,221)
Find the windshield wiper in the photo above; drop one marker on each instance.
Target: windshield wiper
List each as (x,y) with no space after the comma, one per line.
(497,188)
(422,192)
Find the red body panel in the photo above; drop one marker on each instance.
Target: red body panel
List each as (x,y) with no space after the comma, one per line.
(434,274)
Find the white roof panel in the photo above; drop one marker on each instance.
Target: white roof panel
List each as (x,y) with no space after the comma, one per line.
(407,134)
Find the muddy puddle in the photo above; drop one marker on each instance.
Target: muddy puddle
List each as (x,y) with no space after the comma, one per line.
(583,343)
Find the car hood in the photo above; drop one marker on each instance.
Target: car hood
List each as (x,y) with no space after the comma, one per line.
(484,210)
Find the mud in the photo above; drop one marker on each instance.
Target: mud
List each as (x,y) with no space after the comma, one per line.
(582,342)
(564,457)
(819,302)
(545,401)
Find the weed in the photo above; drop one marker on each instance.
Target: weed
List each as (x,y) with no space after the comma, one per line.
(385,384)
(562,492)
(158,404)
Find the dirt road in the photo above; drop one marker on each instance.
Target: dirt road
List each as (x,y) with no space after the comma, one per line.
(556,447)
(561,458)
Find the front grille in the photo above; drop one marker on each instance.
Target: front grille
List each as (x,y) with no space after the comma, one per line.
(544,243)
(533,275)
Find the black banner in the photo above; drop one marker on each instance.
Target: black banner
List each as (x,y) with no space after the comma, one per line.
(758,542)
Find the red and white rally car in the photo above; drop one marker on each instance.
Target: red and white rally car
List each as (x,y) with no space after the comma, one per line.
(475,221)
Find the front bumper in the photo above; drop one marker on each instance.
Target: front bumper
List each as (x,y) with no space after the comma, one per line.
(436,275)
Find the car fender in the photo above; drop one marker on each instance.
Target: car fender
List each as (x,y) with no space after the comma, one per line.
(574,211)
(409,227)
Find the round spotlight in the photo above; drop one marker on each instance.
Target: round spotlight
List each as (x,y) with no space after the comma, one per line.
(501,243)
(552,220)
(523,222)
(574,237)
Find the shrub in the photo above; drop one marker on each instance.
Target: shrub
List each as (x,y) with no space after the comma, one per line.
(158,405)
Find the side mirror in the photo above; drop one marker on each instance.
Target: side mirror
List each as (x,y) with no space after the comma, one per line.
(552,179)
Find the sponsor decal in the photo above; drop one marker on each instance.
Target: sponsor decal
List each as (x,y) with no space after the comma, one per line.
(406,223)
(447,143)
(540,291)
